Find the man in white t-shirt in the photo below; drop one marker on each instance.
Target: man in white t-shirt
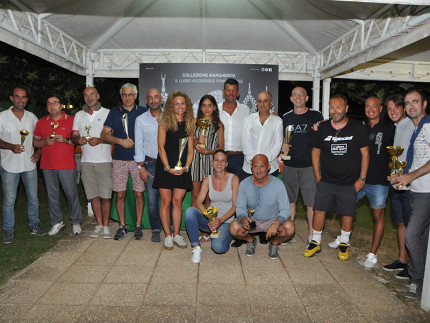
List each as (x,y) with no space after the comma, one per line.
(96,159)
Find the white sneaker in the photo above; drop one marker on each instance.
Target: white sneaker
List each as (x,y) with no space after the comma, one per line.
(168,242)
(76,229)
(196,255)
(98,230)
(334,243)
(106,233)
(371,260)
(179,241)
(291,241)
(57,228)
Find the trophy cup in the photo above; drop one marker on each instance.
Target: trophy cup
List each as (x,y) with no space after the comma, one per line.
(394,152)
(203,124)
(124,120)
(182,144)
(87,129)
(288,134)
(23,134)
(211,213)
(252,224)
(54,125)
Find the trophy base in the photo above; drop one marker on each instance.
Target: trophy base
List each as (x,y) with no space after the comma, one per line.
(215,235)
(178,168)
(88,138)
(286,157)
(52,136)
(202,144)
(400,187)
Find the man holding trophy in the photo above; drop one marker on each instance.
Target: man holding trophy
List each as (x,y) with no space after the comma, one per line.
(18,160)
(119,130)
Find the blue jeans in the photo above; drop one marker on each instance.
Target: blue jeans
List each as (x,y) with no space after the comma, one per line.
(10,186)
(153,196)
(377,195)
(195,221)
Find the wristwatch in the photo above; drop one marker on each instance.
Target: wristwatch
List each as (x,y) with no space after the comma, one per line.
(363,179)
(67,140)
(139,167)
(187,168)
(166,169)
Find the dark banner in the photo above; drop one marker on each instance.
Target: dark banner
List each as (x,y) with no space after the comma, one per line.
(200,79)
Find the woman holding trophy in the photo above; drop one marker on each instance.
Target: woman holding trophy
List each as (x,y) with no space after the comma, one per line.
(175,155)
(222,188)
(209,137)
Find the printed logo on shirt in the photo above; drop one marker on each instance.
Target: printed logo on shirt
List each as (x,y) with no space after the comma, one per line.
(336,139)
(339,149)
(301,128)
(378,141)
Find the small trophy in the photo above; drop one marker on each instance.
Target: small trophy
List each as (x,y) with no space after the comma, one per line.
(203,124)
(252,224)
(23,134)
(211,213)
(87,129)
(124,120)
(54,125)
(394,152)
(400,166)
(288,134)
(182,144)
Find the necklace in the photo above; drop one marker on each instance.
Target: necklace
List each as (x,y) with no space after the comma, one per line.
(337,130)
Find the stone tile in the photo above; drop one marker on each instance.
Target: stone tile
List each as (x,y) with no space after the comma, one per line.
(223,313)
(310,275)
(22,292)
(167,313)
(106,245)
(129,274)
(119,295)
(102,313)
(40,272)
(392,313)
(178,293)
(174,273)
(222,294)
(52,313)
(98,258)
(73,243)
(343,312)
(266,275)
(322,295)
(68,294)
(220,273)
(273,295)
(285,313)
(14,312)
(84,274)
(58,260)
(133,259)
(369,293)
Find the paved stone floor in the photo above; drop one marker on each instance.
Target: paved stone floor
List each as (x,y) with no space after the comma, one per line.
(86,279)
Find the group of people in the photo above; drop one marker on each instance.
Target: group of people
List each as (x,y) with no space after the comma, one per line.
(230,164)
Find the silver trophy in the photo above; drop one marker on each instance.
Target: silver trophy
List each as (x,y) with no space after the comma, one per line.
(182,144)
(288,135)
(124,120)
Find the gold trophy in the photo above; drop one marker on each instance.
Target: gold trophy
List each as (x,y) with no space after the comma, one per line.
(203,124)
(23,133)
(212,213)
(288,135)
(182,144)
(54,125)
(87,129)
(252,224)
(124,120)
(394,152)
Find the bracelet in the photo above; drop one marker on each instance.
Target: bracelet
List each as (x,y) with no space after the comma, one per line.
(187,168)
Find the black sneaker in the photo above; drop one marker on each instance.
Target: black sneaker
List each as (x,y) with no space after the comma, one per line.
(237,243)
(37,230)
(396,265)
(273,251)
(250,248)
(121,233)
(404,274)
(156,236)
(138,234)
(8,237)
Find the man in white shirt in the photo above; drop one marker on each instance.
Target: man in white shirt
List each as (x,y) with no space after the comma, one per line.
(262,134)
(18,162)
(96,159)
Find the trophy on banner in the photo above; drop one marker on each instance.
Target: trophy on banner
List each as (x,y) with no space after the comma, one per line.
(394,152)
(288,134)
(211,213)
(23,134)
(252,224)
(54,125)
(124,121)
(182,144)
(203,124)
(87,129)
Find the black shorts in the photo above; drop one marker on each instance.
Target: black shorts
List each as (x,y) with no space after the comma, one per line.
(328,196)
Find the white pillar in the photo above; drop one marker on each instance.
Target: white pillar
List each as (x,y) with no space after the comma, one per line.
(326,98)
(316,93)
(89,72)
(425,298)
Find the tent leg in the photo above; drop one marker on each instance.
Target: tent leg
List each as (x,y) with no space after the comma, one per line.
(326,98)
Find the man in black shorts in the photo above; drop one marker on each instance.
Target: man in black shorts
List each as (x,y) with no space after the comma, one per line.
(340,158)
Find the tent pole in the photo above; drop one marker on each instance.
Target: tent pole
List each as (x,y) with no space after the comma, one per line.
(89,72)
(326,97)
(316,93)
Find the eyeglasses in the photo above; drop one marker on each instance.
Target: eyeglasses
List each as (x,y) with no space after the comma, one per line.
(128,95)
(53,104)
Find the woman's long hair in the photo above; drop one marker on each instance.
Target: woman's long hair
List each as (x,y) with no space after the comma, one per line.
(168,120)
(215,114)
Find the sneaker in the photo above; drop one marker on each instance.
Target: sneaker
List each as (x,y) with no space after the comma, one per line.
(138,234)
(313,248)
(156,237)
(168,242)
(334,243)
(396,265)
(106,233)
(196,255)
(250,248)
(414,291)
(98,231)
(121,233)
(179,241)
(237,243)
(273,251)
(76,228)
(343,251)
(404,274)
(57,228)
(371,260)
(8,237)
(292,240)
(37,230)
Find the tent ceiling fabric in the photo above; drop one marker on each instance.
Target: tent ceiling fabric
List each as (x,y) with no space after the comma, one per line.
(110,37)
